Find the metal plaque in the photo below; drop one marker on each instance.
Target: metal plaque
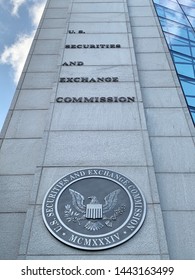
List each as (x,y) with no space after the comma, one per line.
(94,209)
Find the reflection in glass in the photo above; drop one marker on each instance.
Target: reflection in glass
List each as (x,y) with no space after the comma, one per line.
(184,64)
(192,21)
(171,15)
(189,3)
(177,29)
(173,5)
(180,45)
(177,19)
(189,11)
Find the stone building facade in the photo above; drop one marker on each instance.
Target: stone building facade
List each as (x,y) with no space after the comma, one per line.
(98,90)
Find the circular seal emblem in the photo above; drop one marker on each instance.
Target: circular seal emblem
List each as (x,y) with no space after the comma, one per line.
(94,209)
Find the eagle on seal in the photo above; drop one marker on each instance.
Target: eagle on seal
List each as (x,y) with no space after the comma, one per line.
(94,210)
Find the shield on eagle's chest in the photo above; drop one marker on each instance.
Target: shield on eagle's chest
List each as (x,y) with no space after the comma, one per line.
(94,211)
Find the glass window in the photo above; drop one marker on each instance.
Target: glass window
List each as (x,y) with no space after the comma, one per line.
(177,29)
(173,5)
(188,85)
(191,101)
(185,65)
(180,45)
(172,15)
(189,3)
(188,10)
(192,21)
(177,18)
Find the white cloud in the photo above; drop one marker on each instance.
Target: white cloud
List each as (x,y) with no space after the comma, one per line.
(16,5)
(15,55)
(36,11)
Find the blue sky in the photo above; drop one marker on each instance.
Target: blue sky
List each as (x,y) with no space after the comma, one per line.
(18,22)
